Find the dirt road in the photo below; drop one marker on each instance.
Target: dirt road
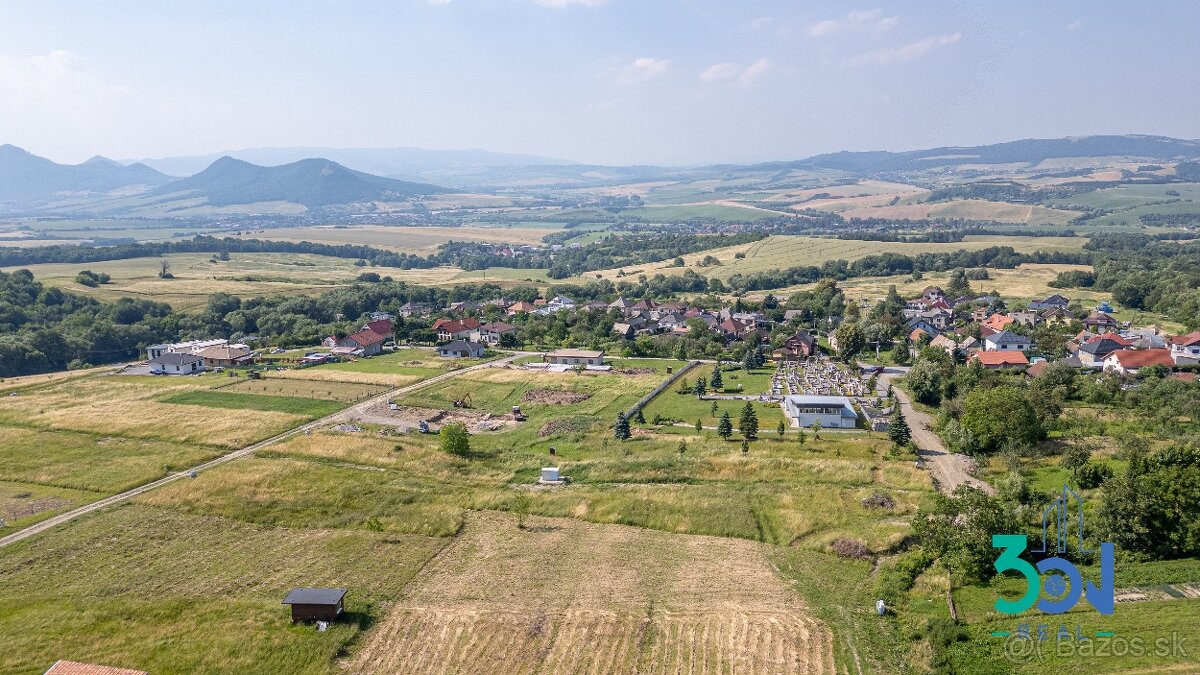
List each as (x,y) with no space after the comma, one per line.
(347,413)
(948,469)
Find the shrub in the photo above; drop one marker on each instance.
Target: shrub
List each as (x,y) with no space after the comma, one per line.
(879,500)
(850,548)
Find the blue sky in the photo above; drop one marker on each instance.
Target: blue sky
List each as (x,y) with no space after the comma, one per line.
(610,81)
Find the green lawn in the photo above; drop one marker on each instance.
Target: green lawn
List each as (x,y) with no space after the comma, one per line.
(307,407)
(153,589)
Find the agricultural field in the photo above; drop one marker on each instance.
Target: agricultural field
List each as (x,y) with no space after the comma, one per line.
(658,557)
(968,209)
(155,589)
(1030,280)
(561,596)
(403,239)
(782,251)
(198,275)
(398,368)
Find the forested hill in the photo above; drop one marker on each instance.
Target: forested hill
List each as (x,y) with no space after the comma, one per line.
(311,182)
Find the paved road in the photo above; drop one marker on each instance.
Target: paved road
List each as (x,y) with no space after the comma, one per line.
(346,413)
(949,470)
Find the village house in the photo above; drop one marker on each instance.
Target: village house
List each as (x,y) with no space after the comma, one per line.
(833,412)
(797,347)
(1130,361)
(176,363)
(491,332)
(575,357)
(945,344)
(411,309)
(188,347)
(520,307)
(933,294)
(1091,354)
(383,327)
(623,330)
(1055,301)
(920,324)
(225,356)
(998,322)
(1006,341)
(455,329)
(1185,349)
(1056,316)
(1001,360)
(461,349)
(363,343)
(1029,319)
(622,305)
(1101,322)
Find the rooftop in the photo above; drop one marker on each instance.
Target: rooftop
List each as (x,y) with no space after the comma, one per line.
(314,596)
(578,353)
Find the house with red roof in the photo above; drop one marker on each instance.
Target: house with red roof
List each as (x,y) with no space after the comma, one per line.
(1130,361)
(1005,360)
(364,342)
(1185,349)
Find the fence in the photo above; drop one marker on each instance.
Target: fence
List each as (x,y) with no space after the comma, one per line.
(659,389)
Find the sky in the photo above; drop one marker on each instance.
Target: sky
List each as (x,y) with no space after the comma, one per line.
(666,82)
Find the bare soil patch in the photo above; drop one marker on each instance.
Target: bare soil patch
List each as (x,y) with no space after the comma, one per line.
(568,425)
(409,418)
(554,396)
(563,596)
(14,508)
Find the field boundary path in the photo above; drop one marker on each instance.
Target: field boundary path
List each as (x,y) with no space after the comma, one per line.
(949,469)
(344,413)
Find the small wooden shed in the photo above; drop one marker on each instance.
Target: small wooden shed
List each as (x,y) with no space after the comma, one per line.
(315,604)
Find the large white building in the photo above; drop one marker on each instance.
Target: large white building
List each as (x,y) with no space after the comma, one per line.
(833,412)
(189,347)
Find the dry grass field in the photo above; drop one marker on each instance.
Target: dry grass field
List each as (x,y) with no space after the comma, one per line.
(1023,283)
(969,209)
(330,390)
(561,596)
(783,251)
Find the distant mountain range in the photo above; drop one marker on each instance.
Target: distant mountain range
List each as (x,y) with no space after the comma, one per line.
(29,183)
(1028,151)
(25,177)
(393,162)
(33,185)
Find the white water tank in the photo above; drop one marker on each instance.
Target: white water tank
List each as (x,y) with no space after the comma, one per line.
(550,474)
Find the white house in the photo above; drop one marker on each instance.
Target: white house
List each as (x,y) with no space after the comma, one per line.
(1005,341)
(461,349)
(575,357)
(189,347)
(1185,349)
(833,412)
(176,363)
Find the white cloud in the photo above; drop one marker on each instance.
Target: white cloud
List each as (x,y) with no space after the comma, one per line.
(857,21)
(754,71)
(559,4)
(1077,24)
(642,70)
(908,52)
(720,71)
(745,76)
(56,76)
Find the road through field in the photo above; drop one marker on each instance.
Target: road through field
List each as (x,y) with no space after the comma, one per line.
(345,413)
(949,470)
